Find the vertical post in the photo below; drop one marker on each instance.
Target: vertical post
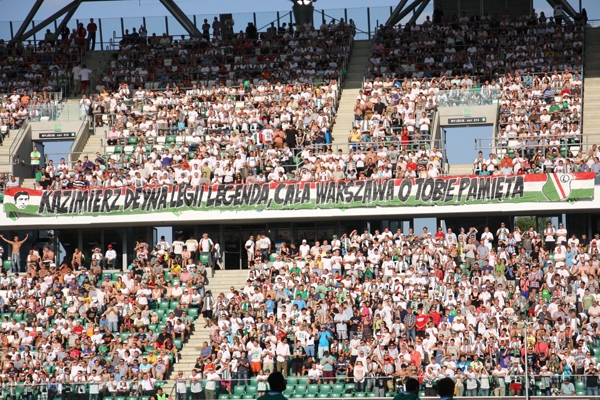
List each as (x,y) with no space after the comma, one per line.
(346,15)
(34,38)
(322,17)
(254,19)
(278,24)
(144,22)
(292,20)
(369,21)
(100,30)
(55,26)
(526,363)
(122,28)
(12,35)
(125,250)
(167,24)
(196,25)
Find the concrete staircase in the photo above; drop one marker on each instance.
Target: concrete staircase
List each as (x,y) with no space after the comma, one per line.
(220,283)
(95,144)
(5,156)
(591,116)
(354,80)
(460,169)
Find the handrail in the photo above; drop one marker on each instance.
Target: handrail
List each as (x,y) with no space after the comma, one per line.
(12,153)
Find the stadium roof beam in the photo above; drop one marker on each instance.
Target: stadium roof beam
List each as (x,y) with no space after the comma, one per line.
(567,8)
(400,12)
(418,12)
(181,17)
(66,20)
(69,8)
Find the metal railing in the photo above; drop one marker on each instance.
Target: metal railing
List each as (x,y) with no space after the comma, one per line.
(12,154)
(469,386)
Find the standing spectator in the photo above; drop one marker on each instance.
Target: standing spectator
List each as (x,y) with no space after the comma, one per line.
(15,251)
(85,76)
(92,28)
(35,157)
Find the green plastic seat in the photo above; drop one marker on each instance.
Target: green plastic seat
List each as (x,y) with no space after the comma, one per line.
(204,258)
(173,304)
(338,388)
(236,396)
(350,386)
(171,139)
(292,381)
(239,389)
(299,396)
(132,140)
(118,149)
(253,390)
(223,396)
(323,395)
(359,394)
(325,388)
(347,395)
(248,396)
(193,312)
(178,344)
(312,389)
(335,395)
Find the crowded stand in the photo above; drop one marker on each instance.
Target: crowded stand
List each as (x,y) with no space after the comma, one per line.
(522,65)
(480,46)
(354,315)
(343,316)
(88,326)
(362,312)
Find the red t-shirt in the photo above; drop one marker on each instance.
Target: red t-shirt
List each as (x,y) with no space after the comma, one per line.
(78,330)
(421,323)
(436,318)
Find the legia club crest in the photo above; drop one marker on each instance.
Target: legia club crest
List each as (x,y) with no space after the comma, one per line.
(557,186)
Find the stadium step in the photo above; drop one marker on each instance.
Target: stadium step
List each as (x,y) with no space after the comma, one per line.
(95,144)
(460,169)
(591,117)
(354,79)
(219,283)
(5,156)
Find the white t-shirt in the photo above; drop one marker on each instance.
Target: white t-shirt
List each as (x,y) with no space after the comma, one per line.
(85,74)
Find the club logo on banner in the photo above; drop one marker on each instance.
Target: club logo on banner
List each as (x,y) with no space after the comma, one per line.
(303,195)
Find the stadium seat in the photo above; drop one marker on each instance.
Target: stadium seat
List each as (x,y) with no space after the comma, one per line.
(338,388)
(312,389)
(239,389)
(325,388)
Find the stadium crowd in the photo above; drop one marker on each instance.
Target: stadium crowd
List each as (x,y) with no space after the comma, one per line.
(360,312)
